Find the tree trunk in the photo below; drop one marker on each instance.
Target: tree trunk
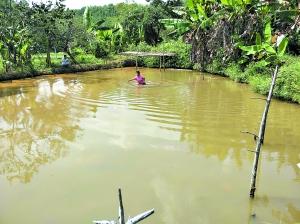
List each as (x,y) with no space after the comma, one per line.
(48,58)
(261,134)
(72,58)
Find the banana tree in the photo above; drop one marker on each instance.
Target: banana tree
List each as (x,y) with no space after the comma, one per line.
(106,37)
(177,27)
(235,3)
(118,37)
(15,48)
(203,14)
(4,57)
(196,14)
(265,48)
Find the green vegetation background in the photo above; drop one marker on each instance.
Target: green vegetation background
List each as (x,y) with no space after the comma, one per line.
(31,35)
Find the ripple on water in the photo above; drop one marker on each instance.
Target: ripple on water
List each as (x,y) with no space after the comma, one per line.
(153,84)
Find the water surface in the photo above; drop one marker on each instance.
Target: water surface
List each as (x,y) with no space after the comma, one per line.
(69,141)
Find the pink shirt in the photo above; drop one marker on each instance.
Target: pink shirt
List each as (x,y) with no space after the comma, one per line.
(140,79)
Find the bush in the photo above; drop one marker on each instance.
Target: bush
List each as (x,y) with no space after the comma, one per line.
(287,84)
(101,51)
(140,47)
(87,59)
(78,51)
(197,66)
(215,67)
(260,84)
(254,69)
(234,72)
(288,81)
(257,68)
(182,51)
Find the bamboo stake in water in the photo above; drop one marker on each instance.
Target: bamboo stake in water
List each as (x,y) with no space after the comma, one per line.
(261,134)
(121,208)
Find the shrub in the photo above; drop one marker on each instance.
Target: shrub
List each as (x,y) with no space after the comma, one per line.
(182,50)
(287,84)
(260,84)
(87,59)
(101,51)
(215,67)
(234,72)
(197,66)
(257,68)
(140,47)
(288,81)
(78,51)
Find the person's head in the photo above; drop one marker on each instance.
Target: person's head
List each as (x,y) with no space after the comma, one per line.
(65,56)
(138,73)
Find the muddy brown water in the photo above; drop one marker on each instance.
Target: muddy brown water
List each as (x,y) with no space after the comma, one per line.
(67,142)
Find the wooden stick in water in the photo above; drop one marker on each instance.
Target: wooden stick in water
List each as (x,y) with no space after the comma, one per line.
(121,208)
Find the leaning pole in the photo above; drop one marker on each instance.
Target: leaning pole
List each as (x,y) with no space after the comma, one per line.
(261,134)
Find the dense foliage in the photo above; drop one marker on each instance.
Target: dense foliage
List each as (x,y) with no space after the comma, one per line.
(236,38)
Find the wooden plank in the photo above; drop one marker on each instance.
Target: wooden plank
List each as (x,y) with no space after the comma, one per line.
(159,62)
(145,54)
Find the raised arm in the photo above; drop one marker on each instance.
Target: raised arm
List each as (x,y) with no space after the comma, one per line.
(131,79)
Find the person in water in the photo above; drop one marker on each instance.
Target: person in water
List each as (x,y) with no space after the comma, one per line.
(139,79)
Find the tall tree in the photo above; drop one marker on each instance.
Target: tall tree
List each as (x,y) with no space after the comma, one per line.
(47,19)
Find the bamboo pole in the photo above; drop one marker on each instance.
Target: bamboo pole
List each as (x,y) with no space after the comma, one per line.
(160,63)
(164,62)
(261,134)
(121,208)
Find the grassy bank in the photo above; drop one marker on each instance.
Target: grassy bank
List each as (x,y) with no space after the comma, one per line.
(258,77)
(86,62)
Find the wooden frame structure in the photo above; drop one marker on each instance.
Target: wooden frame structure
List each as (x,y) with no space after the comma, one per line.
(161,56)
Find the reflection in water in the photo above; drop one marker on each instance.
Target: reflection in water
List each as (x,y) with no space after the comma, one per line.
(35,127)
(181,136)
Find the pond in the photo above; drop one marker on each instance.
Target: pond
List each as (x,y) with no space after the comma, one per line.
(68,142)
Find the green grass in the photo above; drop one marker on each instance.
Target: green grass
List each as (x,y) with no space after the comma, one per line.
(39,60)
